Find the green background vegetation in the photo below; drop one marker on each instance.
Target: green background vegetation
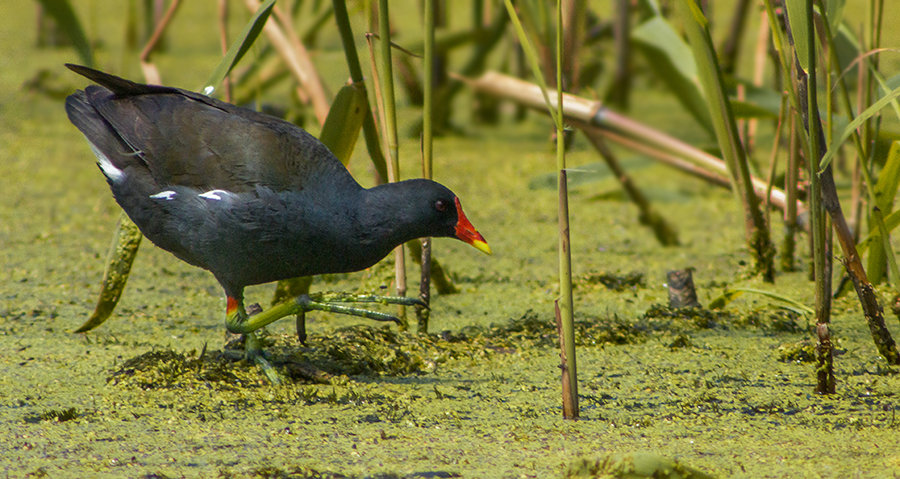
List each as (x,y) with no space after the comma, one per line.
(728,392)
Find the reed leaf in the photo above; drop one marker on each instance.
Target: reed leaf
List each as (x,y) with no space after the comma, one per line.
(869,112)
(730,294)
(240,46)
(671,59)
(796,14)
(344,121)
(61,11)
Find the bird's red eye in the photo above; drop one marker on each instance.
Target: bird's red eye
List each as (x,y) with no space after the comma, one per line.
(440,205)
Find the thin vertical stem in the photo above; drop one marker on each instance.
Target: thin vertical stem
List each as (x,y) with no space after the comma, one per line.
(427,155)
(791,177)
(223,42)
(566,308)
(428,100)
(822,260)
(390,130)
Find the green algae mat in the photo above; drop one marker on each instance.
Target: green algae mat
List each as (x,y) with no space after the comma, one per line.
(156,392)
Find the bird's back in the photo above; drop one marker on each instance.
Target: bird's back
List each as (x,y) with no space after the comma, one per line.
(188,139)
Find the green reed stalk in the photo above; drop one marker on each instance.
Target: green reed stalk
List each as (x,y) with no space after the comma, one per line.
(386,72)
(806,106)
(567,313)
(564,307)
(725,127)
(863,156)
(821,245)
(427,155)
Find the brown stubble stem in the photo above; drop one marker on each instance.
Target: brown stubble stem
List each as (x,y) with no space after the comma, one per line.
(151,74)
(570,402)
(223,43)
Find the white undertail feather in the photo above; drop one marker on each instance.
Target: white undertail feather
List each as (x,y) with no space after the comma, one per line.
(109,169)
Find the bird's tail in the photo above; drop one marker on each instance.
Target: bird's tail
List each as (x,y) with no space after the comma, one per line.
(112,152)
(120,86)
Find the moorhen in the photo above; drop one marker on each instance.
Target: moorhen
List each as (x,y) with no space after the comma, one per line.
(249,197)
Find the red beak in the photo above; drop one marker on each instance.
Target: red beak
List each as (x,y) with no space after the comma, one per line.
(466,232)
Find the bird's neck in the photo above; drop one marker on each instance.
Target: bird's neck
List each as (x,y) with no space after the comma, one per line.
(385,218)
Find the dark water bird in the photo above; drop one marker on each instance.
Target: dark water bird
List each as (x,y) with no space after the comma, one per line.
(249,197)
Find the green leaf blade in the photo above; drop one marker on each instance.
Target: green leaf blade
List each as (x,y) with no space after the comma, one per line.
(344,122)
(240,46)
(65,17)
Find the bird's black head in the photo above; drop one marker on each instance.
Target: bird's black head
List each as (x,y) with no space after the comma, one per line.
(426,208)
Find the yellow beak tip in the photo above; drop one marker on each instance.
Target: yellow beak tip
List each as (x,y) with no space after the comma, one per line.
(482,246)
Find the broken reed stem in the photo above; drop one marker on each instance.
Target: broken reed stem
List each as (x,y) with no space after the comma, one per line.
(566,311)
(554,107)
(620,128)
(682,293)
(570,403)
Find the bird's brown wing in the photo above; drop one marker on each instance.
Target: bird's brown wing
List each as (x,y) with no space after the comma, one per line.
(189,139)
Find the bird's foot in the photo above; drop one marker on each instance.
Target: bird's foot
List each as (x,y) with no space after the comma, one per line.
(254,353)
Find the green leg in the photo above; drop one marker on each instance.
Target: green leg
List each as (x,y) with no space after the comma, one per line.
(237,320)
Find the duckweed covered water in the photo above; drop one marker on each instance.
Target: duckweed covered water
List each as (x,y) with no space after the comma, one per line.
(154,392)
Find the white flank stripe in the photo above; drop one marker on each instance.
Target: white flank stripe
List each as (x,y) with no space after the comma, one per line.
(215,194)
(167,195)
